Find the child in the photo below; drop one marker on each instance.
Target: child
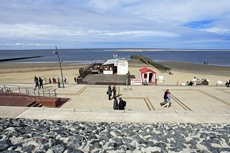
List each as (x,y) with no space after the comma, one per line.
(168,101)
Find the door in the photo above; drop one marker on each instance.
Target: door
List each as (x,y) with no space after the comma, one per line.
(150,77)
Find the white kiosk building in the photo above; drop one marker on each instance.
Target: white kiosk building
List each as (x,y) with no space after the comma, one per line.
(115,66)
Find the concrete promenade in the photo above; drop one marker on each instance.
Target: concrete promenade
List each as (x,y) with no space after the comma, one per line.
(196,104)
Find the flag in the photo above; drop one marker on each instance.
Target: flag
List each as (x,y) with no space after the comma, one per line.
(114,55)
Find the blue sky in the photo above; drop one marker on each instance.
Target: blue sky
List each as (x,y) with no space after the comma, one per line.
(43,24)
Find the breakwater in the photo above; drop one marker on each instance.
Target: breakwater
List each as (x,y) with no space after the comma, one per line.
(40,136)
(151,62)
(13,59)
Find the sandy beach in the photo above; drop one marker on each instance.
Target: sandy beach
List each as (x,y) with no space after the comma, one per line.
(182,72)
(142,50)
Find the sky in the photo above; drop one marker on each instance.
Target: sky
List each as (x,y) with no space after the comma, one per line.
(179,24)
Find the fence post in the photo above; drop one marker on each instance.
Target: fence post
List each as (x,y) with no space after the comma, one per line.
(28,92)
(34,94)
(19,90)
(43,93)
(39,96)
(55,94)
(10,92)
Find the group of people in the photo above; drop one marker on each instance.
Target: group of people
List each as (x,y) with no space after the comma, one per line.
(116,106)
(56,80)
(166,103)
(38,82)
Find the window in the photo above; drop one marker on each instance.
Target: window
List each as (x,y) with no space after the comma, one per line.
(145,76)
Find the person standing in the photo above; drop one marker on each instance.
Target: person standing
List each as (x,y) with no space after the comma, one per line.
(121,104)
(36,82)
(115,104)
(165,98)
(65,80)
(114,91)
(109,92)
(75,80)
(41,83)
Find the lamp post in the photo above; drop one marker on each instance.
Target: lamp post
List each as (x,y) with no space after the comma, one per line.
(56,52)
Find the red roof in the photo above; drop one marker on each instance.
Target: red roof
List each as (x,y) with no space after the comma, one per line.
(146,70)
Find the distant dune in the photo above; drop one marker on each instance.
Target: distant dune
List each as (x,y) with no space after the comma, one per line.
(141,50)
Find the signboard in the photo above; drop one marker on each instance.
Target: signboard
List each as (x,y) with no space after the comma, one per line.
(107,72)
(136,81)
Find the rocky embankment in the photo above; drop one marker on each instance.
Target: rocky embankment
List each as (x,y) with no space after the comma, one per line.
(27,135)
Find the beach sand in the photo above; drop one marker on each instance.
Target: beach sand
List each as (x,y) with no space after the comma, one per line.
(182,72)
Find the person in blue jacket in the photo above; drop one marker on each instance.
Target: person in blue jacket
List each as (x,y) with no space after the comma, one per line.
(165,98)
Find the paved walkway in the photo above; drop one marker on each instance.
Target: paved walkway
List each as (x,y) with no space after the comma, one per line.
(199,104)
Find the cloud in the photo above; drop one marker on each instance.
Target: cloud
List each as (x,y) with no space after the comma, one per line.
(32,30)
(134,23)
(217,30)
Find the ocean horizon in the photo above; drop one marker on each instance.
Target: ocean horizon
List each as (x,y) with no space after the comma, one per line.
(87,56)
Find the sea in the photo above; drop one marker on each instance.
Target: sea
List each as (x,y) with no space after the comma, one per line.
(87,56)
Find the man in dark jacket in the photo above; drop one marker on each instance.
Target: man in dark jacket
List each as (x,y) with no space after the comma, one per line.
(165,98)
(36,82)
(40,82)
(109,92)
(114,91)
(121,104)
(115,104)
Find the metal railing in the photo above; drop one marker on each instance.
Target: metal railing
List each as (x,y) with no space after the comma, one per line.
(30,92)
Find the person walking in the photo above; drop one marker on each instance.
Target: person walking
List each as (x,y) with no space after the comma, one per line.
(168,101)
(115,104)
(109,92)
(114,91)
(65,80)
(165,98)
(41,83)
(36,82)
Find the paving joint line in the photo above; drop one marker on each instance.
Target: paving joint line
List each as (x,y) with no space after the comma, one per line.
(145,99)
(207,94)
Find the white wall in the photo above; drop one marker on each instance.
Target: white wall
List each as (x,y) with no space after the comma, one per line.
(122,67)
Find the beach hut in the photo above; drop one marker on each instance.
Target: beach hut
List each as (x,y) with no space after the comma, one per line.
(148,76)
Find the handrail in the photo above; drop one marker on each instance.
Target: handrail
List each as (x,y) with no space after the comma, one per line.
(30,92)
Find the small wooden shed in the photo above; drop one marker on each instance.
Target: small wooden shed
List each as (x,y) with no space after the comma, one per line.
(147,76)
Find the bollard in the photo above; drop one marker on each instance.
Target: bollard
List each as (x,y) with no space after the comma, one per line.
(39,96)
(19,90)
